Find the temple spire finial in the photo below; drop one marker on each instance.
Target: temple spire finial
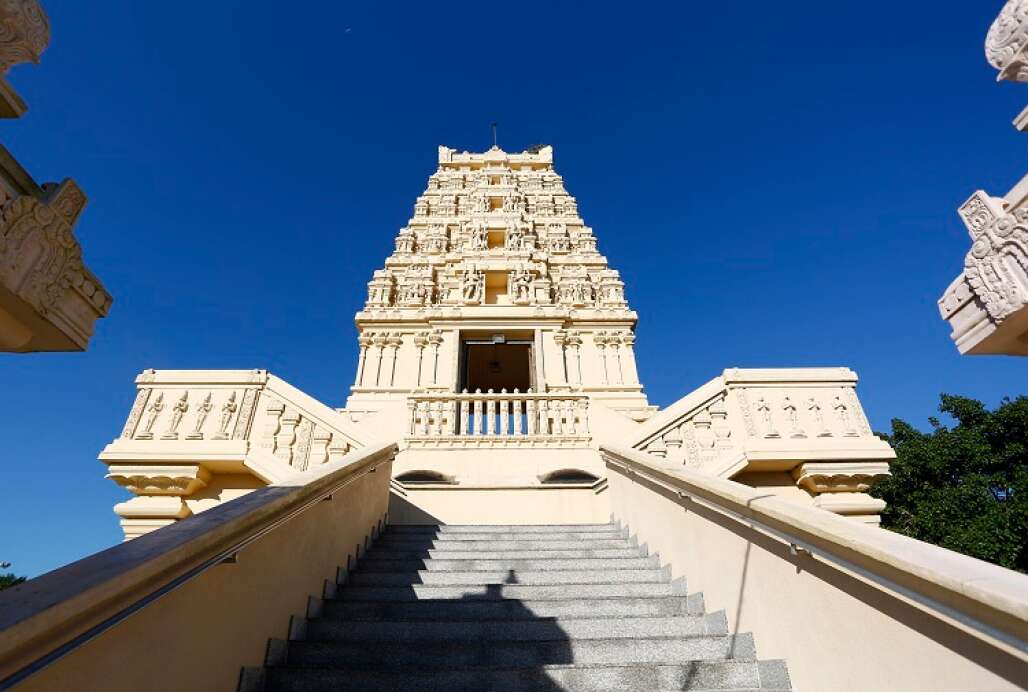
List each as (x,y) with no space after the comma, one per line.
(493,126)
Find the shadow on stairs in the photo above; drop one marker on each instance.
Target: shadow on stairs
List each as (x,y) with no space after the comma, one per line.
(477,608)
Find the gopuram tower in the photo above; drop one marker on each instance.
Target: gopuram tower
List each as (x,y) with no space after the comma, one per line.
(497,355)
(496,285)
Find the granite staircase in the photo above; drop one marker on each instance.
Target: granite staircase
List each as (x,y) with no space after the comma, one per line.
(477,608)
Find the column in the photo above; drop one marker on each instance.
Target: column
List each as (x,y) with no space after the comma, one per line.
(575,359)
(364,341)
(628,358)
(394,341)
(379,341)
(600,339)
(420,342)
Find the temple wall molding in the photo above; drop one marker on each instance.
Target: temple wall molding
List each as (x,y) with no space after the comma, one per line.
(194,438)
(758,425)
(49,299)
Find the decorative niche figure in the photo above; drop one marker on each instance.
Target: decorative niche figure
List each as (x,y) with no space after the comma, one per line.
(515,238)
(473,287)
(521,287)
(481,204)
(479,239)
(508,204)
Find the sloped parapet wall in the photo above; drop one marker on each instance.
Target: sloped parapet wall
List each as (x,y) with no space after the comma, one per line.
(202,596)
(850,607)
(799,432)
(196,438)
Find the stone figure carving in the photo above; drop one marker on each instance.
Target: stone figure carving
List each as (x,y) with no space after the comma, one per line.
(473,286)
(479,238)
(521,287)
(481,204)
(152,412)
(1006,45)
(24,32)
(177,412)
(227,409)
(202,411)
(842,412)
(508,204)
(817,414)
(767,417)
(515,238)
(792,417)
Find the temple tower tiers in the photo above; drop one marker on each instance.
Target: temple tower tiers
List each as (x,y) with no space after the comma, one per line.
(496,283)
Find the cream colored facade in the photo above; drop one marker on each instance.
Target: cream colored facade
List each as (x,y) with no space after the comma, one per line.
(49,299)
(496,348)
(987,304)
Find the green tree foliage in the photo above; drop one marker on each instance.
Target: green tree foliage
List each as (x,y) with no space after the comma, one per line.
(8,579)
(966,487)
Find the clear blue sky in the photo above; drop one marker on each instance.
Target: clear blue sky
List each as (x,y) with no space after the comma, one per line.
(776,183)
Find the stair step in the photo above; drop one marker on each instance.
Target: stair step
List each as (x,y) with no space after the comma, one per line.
(504,536)
(500,591)
(471,610)
(560,649)
(384,564)
(737,676)
(445,543)
(484,578)
(397,529)
(380,551)
(537,629)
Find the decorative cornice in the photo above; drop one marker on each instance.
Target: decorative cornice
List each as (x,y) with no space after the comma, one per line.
(1006,45)
(24,32)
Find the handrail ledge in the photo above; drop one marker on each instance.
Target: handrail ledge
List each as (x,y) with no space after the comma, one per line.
(980,591)
(51,610)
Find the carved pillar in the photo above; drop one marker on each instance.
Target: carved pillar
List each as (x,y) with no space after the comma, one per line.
(575,358)
(560,338)
(394,341)
(364,341)
(614,354)
(600,339)
(420,342)
(628,358)
(380,344)
(286,436)
(435,339)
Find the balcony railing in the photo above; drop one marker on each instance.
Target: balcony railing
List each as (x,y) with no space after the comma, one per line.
(499,416)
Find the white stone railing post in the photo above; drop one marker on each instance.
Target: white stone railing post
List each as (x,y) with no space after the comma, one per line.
(499,416)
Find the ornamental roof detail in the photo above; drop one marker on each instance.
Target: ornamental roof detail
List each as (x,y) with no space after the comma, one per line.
(496,228)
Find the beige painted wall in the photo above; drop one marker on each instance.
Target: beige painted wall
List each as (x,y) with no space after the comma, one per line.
(837,630)
(198,637)
(528,505)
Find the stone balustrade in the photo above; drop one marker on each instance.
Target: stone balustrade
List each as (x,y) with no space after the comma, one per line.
(761,426)
(507,418)
(194,438)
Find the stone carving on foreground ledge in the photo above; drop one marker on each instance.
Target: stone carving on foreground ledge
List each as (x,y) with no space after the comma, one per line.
(41,261)
(24,32)
(987,305)
(1006,45)
(997,263)
(186,427)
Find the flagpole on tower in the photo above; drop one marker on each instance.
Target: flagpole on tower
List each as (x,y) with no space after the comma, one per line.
(493,125)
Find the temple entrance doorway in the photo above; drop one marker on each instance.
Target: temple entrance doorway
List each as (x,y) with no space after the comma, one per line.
(496,362)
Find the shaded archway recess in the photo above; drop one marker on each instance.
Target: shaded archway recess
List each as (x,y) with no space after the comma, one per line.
(569,476)
(424,477)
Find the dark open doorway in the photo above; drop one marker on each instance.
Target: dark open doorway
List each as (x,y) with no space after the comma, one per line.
(496,365)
